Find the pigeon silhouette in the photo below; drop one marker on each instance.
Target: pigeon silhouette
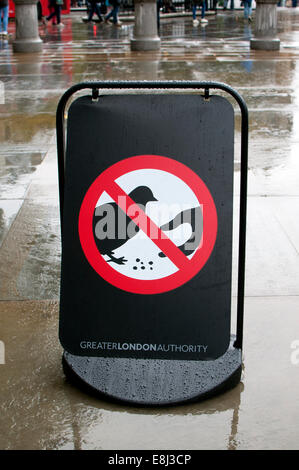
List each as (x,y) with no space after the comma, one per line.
(110,224)
(194,218)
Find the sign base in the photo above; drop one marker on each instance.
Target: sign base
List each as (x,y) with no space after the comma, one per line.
(148,382)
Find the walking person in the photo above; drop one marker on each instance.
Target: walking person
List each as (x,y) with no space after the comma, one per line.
(94,8)
(232,4)
(56,6)
(113,13)
(202,4)
(159,6)
(4,7)
(40,15)
(247,10)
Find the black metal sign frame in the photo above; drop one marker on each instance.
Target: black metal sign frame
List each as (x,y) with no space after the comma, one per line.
(74,365)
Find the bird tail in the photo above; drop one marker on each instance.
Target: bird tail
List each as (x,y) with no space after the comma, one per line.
(174,223)
(186,216)
(194,218)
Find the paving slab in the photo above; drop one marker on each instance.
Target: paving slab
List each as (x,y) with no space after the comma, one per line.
(41,410)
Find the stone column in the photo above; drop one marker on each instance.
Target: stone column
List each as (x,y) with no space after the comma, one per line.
(27,37)
(265,26)
(145,37)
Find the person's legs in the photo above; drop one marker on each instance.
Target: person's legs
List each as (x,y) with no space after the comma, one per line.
(114,14)
(98,11)
(5,18)
(51,15)
(91,11)
(246,10)
(158,13)
(109,15)
(249,9)
(58,13)
(203,9)
(39,11)
(1,8)
(194,12)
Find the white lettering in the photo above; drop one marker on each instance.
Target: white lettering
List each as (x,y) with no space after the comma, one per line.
(182,348)
(295,354)
(119,460)
(2,93)
(2,353)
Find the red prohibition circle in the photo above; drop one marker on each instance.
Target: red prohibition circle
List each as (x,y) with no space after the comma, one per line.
(194,265)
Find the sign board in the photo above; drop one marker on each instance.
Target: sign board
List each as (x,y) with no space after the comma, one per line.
(147,238)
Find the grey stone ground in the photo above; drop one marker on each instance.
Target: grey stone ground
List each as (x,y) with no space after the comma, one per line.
(39,409)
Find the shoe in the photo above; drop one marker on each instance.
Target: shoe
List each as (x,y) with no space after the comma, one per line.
(203,20)
(195,22)
(4,35)
(85,19)
(249,19)
(60,25)
(118,24)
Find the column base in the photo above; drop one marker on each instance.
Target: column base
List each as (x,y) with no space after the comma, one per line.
(265,44)
(145,44)
(29,45)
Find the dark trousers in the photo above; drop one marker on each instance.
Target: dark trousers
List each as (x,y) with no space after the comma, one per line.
(56,12)
(39,11)
(113,13)
(94,8)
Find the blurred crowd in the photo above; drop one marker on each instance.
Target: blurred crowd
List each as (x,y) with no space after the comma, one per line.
(166,6)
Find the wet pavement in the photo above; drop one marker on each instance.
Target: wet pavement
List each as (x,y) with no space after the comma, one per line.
(39,409)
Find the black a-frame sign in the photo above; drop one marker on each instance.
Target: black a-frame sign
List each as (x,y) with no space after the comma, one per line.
(146,192)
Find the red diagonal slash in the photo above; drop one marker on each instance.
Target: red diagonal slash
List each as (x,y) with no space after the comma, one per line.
(148,226)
